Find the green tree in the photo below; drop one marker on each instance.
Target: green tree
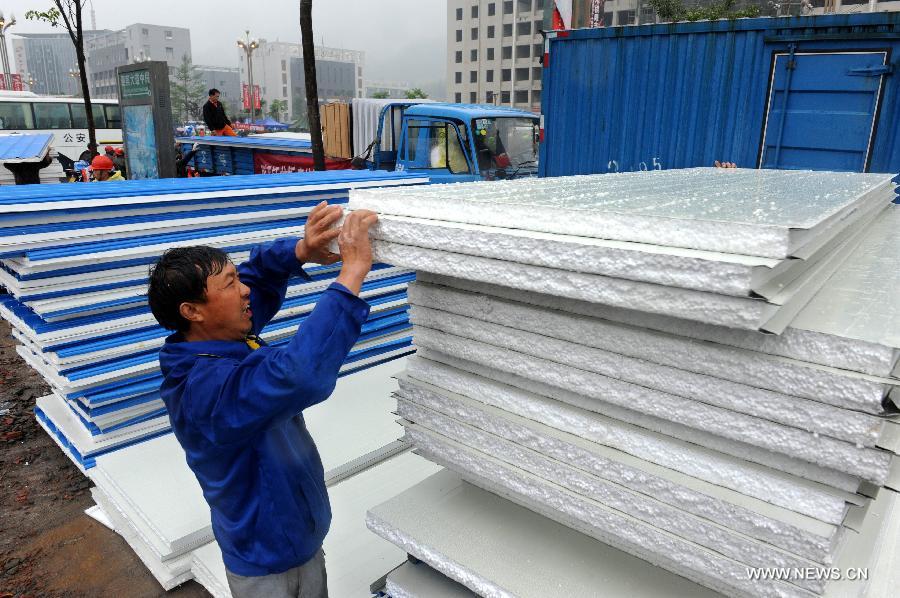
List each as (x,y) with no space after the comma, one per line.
(380,95)
(312,88)
(277,109)
(675,10)
(415,93)
(67,13)
(187,91)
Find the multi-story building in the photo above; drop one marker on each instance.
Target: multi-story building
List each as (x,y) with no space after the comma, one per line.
(49,60)
(227,80)
(135,43)
(278,71)
(386,89)
(493,52)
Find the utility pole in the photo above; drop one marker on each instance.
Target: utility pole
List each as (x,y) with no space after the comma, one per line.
(312,88)
(7,72)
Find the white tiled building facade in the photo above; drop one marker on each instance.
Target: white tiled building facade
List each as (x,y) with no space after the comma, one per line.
(493,52)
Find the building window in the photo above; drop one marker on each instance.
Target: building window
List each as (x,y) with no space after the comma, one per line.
(169,35)
(521,96)
(524,5)
(283,78)
(492,9)
(490,32)
(170,53)
(489,76)
(459,14)
(489,97)
(284,91)
(458,98)
(524,28)
(459,35)
(490,53)
(473,76)
(473,55)
(522,74)
(145,31)
(283,65)
(506,52)
(648,15)
(608,19)
(474,12)
(458,77)
(625,17)
(473,97)
(507,30)
(506,75)
(538,25)
(537,73)
(474,33)
(504,97)
(458,57)
(508,7)
(539,5)
(523,51)
(535,96)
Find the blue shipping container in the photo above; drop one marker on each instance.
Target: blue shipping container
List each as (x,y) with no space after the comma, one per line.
(795,93)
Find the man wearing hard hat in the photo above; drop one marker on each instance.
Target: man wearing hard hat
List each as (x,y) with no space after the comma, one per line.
(102,167)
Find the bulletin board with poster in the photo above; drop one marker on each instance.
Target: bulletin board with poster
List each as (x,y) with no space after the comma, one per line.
(147,130)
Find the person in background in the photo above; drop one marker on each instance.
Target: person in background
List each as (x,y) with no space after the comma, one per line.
(28,173)
(88,154)
(102,167)
(214,115)
(109,151)
(81,172)
(119,161)
(181,160)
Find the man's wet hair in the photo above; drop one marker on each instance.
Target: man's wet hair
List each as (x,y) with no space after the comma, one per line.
(213,91)
(178,277)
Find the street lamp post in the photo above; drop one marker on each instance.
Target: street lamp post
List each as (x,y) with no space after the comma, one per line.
(4,25)
(76,75)
(248,45)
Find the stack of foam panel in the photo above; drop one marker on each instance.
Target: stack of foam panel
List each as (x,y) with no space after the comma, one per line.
(75,261)
(599,351)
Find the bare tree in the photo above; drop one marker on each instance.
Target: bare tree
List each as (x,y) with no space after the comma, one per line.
(312,89)
(68,12)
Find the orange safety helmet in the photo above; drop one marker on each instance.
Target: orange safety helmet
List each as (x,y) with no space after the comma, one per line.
(101,163)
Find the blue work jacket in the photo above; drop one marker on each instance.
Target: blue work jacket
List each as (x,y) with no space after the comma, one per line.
(237,413)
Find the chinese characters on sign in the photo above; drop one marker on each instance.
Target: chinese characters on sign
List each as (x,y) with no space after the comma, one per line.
(135,84)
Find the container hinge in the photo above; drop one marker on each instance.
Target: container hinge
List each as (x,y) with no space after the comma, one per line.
(872,71)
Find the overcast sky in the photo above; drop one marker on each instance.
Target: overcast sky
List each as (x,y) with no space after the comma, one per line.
(404,40)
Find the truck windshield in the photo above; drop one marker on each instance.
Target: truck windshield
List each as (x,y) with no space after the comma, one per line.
(508,144)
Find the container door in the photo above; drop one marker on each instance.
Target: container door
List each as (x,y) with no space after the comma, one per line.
(822,110)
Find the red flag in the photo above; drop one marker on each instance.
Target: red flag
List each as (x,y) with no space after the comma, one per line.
(245,96)
(256,103)
(562,15)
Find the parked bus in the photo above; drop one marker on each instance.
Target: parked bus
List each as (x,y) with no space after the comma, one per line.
(26,112)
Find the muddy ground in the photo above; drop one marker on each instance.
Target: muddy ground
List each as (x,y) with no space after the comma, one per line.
(48,546)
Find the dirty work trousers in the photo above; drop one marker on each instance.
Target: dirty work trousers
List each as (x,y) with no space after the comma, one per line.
(309,580)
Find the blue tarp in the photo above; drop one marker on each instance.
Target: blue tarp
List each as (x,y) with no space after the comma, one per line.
(270,123)
(24,148)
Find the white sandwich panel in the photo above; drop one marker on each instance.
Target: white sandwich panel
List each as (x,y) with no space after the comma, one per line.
(421,581)
(641,436)
(822,348)
(448,413)
(810,415)
(819,458)
(481,541)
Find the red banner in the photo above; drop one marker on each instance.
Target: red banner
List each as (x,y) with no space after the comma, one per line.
(245,96)
(256,97)
(264,163)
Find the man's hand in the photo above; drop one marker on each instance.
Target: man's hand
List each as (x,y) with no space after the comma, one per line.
(356,249)
(313,247)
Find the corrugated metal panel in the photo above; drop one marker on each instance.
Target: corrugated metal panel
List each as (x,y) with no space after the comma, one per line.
(24,148)
(254,142)
(686,94)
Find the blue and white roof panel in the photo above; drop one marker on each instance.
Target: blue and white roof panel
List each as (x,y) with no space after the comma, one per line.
(24,148)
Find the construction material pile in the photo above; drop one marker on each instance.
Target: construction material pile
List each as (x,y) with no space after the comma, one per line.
(17,150)
(698,368)
(75,260)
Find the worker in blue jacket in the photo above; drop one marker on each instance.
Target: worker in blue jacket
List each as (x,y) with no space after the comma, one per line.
(235,404)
